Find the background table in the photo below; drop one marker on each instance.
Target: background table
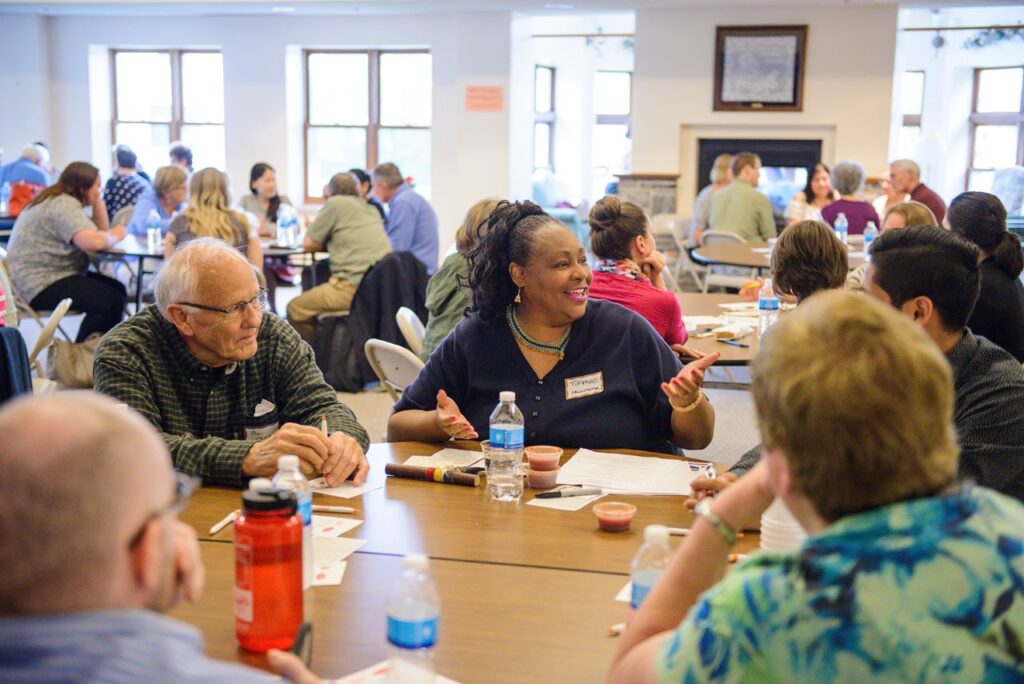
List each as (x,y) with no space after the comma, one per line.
(746,254)
(697,304)
(526,592)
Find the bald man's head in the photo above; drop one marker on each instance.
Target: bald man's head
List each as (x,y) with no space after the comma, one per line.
(80,475)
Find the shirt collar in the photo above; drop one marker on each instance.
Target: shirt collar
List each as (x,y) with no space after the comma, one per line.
(962,353)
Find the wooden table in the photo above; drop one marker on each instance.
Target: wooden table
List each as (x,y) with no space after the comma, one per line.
(745,254)
(461,523)
(538,583)
(697,304)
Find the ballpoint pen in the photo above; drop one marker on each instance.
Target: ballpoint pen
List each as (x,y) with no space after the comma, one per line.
(734,343)
(575,491)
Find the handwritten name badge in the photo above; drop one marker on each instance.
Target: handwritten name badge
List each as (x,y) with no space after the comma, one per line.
(584,385)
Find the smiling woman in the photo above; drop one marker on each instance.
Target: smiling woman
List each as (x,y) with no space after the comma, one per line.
(586,373)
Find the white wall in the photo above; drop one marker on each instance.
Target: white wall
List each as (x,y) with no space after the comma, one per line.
(847,84)
(470,150)
(948,85)
(24,83)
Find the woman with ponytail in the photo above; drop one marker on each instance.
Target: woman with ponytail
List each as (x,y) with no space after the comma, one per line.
(980,217)
(585,373)
(629,268)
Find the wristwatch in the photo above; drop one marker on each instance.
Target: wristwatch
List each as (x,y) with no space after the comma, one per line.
(703,509)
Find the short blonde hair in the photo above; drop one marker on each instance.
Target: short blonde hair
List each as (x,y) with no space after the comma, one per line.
(720,168)
(474,225)
(808,257)
(167,178)
(914,213)
(859,401)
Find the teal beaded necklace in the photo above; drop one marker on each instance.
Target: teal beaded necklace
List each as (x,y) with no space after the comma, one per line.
(531,343)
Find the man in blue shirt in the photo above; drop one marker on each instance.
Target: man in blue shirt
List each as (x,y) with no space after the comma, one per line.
(27,177)
(412,223)
(93,551)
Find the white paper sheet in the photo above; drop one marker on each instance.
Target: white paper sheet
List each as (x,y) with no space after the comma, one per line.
(734,307)
(695,323)
(628,474)
(329,574)
(332,525)
(346,490)
(379,673)
(626,593)
(459,458)
(761,250)
(569,503)
(327,550)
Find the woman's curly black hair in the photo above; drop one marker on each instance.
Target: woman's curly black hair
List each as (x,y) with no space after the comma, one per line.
(508,238)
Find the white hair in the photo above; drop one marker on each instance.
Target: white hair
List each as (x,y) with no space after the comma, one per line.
(908,165)
(178,280)
(33,153)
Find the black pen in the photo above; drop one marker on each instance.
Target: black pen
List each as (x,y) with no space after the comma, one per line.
(559,493)
(734,343)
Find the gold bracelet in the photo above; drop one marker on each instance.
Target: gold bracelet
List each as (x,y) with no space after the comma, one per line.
(691,406)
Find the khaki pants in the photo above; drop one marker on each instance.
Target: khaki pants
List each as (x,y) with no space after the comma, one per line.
(334,295)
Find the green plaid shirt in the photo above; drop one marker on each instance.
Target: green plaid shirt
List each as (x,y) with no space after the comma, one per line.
(207,415)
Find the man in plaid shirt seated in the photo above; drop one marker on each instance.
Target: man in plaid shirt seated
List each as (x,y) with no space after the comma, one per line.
(230,387)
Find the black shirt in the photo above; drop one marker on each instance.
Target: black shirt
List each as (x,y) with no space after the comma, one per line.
(999,313)
(610,349)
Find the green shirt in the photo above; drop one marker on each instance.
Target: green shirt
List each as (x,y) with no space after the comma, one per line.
(740,209)
(352,233)
(446,302)
(208,416)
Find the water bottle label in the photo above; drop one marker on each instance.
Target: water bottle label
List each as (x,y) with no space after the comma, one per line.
(507,438)
(243,605)
(306,510)
(414,634)
(768,304)
(638,595)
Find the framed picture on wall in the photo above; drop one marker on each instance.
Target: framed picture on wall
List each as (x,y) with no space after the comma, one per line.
(759,68)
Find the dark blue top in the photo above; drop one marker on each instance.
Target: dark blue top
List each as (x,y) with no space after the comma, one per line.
(479,359)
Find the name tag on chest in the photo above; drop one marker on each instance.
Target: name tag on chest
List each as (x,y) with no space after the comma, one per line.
(584,385)
(261,432)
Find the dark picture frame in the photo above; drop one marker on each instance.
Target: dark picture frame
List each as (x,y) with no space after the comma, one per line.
(760,68)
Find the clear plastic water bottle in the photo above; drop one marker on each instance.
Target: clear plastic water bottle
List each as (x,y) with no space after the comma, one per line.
(153,233)
(870,233)
(649,563)
(290,477)
(842,228)
(767,308)
(287,226)
(504,454)
(414,612)
(5,199)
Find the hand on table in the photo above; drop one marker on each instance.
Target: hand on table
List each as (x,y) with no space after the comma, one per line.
(118,232)
(308,443)
(704,486)
(683,389)
(345,460)
(291,667)
(451,420)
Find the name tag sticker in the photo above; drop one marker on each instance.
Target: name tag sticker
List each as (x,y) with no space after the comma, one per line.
(584,385)
(261,432)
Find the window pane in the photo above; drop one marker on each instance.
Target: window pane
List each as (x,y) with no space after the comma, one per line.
(143,81)
(981,181)
(405,87)
(611,92)
(330,151)
(544,78)
(909,137)
(148,141)
(542,146)
(410,150)
(339,90)
(999,90)
(913,92)
(610,151)
(202,87)
(995,147)
(207,145)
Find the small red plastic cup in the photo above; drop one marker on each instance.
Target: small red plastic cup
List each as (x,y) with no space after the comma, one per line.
(543,457)
(614,516)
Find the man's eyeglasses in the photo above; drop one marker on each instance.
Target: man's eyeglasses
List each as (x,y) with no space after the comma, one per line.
(184,486)
(261,300)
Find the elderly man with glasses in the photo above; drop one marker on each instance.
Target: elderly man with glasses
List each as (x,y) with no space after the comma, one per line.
(93,557)
(230,387)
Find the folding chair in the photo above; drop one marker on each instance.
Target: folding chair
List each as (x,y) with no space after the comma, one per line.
(396,367)
(412,328)
(730,278)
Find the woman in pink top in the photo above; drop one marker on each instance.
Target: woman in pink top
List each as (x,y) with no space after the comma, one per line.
(628,271)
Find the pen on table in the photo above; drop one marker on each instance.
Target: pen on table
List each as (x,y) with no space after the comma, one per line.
(332,509)
(616,629)
(685,532)
(734,343)
(575,491)
(225,521)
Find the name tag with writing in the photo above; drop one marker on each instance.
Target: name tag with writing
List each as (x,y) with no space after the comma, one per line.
(584,385)
(261,432)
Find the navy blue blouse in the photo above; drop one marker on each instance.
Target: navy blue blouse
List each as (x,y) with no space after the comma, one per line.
(605,394)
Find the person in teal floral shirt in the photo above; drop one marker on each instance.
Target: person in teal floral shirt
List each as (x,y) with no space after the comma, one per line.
(905,576)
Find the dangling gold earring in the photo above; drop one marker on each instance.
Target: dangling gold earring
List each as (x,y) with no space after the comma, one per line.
(519,298)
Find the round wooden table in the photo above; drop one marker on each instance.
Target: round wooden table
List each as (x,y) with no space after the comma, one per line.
(697,304)
(758,254)
(540,582)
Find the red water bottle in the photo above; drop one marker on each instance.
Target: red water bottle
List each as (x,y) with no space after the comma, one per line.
(268,570)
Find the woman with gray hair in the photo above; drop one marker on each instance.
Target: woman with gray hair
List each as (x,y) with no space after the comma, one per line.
(848,179)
